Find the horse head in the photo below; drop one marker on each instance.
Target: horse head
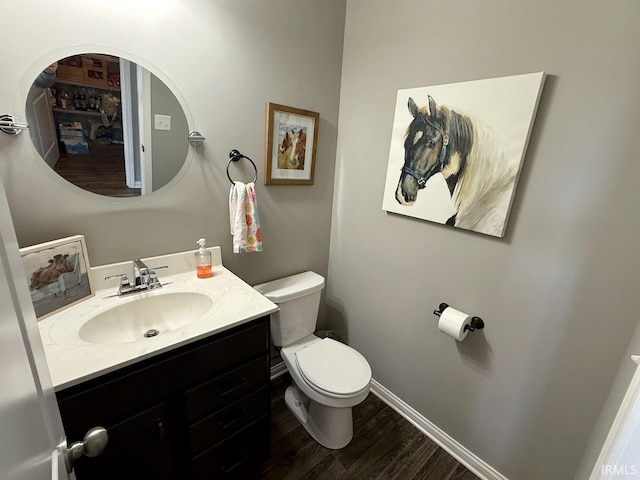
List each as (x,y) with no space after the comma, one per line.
(425,148)
(287,141)
(300,149)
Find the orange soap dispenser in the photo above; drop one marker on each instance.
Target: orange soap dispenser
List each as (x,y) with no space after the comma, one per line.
(203,260)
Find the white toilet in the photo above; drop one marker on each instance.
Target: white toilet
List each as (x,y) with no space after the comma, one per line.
(329,377)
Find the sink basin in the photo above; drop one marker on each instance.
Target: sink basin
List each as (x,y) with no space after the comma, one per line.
(145,317)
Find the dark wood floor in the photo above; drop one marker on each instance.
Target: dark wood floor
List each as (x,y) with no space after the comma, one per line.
(385,446)
(100,171)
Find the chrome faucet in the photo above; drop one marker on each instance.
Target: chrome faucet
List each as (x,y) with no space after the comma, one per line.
(144,278)
(140,272)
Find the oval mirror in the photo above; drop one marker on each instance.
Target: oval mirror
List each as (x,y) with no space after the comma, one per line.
(107,125)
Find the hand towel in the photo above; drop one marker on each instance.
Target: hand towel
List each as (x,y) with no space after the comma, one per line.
(244,219)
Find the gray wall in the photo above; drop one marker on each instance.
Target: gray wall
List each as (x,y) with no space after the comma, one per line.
(559,292)
(169,146)
(227,59)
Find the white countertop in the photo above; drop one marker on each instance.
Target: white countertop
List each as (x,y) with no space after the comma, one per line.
(72,360)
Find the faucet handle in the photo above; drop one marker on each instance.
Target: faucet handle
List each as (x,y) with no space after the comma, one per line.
(153,281)
(153,277)
(124,280)
(152,269)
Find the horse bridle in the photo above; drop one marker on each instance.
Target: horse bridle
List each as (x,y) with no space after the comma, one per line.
(422,179)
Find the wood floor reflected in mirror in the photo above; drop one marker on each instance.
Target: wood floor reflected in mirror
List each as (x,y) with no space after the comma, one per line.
(101,171)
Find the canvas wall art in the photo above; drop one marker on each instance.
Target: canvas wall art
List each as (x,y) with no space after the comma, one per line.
(57,274)
(457,150)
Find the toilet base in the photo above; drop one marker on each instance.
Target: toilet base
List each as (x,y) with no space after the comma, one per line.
(331,427)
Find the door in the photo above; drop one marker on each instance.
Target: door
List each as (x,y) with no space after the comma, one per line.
(144,117)
(42,128)
(129,96)
(620,454)
(31,425)
(135,84)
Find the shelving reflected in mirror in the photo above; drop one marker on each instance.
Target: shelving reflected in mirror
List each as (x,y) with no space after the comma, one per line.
(107,125)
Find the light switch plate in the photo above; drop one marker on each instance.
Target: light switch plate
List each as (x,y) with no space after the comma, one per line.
(162,122)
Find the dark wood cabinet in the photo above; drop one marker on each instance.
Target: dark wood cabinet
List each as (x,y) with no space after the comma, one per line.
(199,411)
(238,457)
(141,444)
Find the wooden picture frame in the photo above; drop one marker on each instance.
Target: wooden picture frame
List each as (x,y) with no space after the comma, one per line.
(291,141)
(57,274)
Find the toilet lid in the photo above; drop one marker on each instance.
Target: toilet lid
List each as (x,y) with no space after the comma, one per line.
(334,367)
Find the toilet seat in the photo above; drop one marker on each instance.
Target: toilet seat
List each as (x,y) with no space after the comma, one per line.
(333,368)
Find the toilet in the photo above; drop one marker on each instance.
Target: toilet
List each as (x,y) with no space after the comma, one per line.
(329,377)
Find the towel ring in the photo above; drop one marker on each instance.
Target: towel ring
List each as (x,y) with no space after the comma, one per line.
(234,156)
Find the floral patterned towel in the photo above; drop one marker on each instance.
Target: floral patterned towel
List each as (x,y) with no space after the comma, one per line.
(243,217)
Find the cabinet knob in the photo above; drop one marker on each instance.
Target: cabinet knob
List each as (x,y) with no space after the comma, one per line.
(162,433)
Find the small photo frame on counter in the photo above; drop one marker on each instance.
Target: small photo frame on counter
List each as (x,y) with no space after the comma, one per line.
(292,137)
(57,274)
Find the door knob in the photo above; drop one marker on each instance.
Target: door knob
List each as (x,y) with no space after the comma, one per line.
(93,444)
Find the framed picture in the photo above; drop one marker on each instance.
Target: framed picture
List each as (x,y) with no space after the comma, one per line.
(57,274)
(292,136)
(456,151)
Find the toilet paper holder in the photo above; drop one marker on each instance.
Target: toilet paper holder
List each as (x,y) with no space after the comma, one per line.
(476,322)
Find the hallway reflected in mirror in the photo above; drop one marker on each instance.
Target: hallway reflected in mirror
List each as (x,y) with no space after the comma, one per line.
(107,125)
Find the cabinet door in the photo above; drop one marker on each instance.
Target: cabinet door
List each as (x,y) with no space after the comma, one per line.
(139,448)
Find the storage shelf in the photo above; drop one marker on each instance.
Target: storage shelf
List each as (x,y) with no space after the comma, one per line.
(71,111)
(87,84)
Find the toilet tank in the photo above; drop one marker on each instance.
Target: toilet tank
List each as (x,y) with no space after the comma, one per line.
(298,298)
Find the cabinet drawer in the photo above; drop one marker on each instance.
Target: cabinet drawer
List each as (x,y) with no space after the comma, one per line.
(239,457)
(211,395)
(210,430)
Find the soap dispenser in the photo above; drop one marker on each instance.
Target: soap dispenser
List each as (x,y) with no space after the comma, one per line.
(203,260)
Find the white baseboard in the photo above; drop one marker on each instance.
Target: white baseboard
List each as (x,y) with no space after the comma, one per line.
(278,370)
(450,445)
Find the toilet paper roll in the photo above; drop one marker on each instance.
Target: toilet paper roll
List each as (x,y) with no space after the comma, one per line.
(452,322)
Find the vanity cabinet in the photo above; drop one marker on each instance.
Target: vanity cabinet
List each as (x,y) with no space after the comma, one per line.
(201,411)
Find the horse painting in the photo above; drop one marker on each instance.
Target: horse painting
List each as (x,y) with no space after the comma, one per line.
(469,155)
(456,150)
(292,149)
